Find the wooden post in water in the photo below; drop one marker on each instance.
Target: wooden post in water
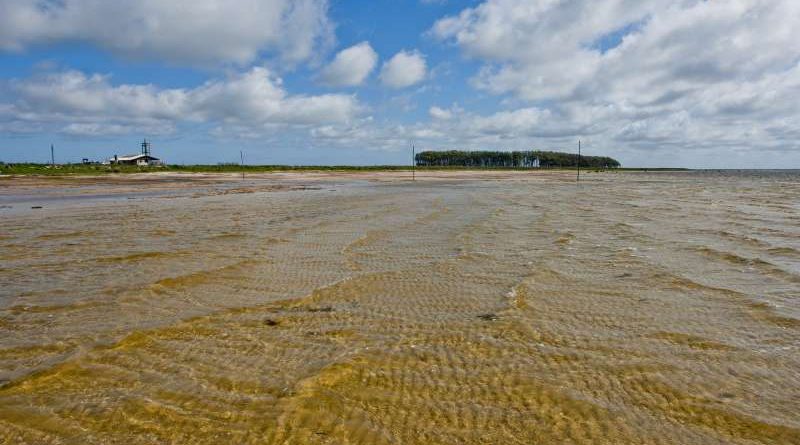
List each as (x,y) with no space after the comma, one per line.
(578,179)
(241,163)
(413,162)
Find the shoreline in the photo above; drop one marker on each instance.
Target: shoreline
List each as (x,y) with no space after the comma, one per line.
(27,169)
(175,180)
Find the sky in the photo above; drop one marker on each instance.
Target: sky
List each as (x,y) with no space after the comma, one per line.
(652,83)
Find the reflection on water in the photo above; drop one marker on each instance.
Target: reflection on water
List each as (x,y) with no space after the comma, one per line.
(636,308)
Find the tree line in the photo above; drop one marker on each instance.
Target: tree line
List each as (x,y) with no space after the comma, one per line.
(520,159)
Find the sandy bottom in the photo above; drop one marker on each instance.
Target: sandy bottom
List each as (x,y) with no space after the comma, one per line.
(364,308)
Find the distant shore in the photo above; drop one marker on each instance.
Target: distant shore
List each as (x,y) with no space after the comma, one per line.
(30,169)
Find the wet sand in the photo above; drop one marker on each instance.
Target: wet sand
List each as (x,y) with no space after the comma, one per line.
(361,307)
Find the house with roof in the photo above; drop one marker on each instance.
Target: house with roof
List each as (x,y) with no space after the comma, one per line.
(138,159)
(142,159)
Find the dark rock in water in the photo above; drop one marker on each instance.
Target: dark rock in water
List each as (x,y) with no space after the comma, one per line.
(36,207)
(488,317)
(271,322)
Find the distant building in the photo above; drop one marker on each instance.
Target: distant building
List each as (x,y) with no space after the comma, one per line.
(142,159)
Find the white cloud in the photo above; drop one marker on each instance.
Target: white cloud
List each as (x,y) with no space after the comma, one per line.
(440,113)
(97,129)
(404,69)
(197,32)
(91,105)
(257,97)
(72,93)
(538,49)
(455,128)
(630,77)
(351,66)
(519,128)
(642,74)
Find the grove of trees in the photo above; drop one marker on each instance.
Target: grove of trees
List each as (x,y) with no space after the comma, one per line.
(529,159)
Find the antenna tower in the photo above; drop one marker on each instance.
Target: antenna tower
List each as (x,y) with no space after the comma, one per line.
(145,148)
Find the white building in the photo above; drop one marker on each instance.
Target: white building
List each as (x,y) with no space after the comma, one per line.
(140,159)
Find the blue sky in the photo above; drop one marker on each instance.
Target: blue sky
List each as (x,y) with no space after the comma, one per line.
(652,83)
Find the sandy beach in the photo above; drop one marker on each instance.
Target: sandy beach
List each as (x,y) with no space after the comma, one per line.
(506,307)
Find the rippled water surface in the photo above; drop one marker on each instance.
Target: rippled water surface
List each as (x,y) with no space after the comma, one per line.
(505,308)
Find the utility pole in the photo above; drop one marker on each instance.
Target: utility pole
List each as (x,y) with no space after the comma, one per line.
(578,179)
(52,156)
(241,159)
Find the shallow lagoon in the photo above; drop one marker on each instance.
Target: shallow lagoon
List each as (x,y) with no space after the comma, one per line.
(498,307)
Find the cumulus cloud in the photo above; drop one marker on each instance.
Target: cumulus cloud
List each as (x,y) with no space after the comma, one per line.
(90,129)
(258,97)
(517,128)
(522,128)
(440,113)
(643,73)
(351,66)
(404,69)
(92,105)
(630,76)
(201,31)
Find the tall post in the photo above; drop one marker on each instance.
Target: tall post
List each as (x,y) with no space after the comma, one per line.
(578,179)
(52,156)
(413,163)
(241,161)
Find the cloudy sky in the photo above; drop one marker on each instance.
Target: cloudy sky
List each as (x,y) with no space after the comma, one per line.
(650,82)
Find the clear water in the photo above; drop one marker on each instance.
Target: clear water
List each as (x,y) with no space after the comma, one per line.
(498,308)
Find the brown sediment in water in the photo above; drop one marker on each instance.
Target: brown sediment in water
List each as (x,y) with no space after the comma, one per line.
(464,307)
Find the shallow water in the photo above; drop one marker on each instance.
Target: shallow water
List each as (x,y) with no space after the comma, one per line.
(634,308)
